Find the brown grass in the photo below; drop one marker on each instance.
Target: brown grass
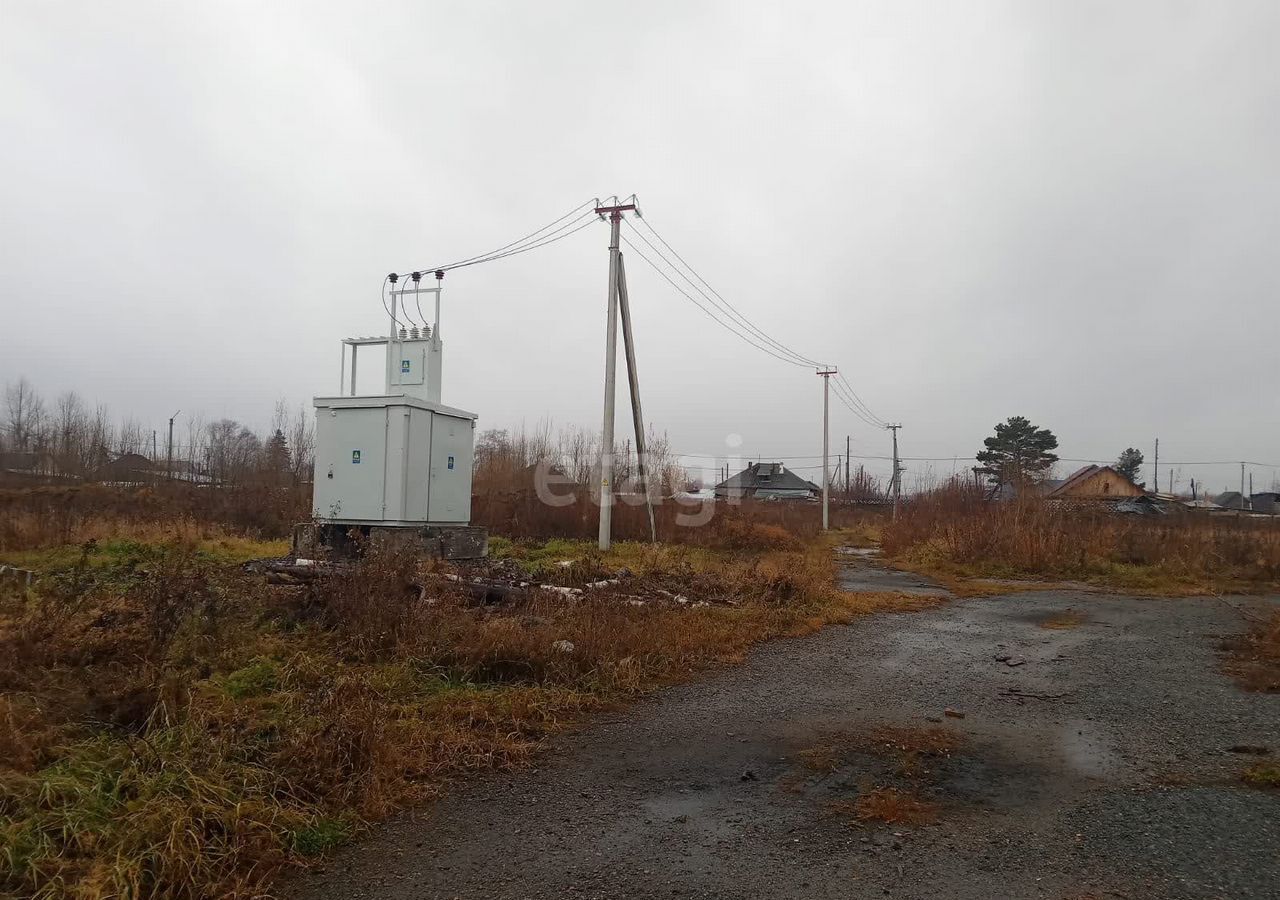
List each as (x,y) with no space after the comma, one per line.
(1063,621)
(1263,775)
(891,806)
(1254,658)
(928,741)
(171,726)
(954,531)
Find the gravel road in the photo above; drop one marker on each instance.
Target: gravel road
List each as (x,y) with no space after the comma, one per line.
(1095,762)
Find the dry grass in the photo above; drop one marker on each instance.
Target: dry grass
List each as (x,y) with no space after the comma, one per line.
(1263,775)
(1063,621)
(891,806)
(53,516)
(173,727)
(954,532)
(929,741)
(1254,658)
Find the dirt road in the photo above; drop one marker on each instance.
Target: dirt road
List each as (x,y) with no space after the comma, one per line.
(1094,760)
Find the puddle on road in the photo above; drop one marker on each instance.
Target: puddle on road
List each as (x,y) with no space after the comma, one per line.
(1087,751)
(875,578)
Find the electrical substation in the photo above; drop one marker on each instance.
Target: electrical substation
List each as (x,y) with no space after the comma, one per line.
(396,464)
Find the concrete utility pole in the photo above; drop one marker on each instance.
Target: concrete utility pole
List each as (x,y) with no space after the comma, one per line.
(1155,473)
(846,467)
(633,380)
(1242,485)
(610,375)
(896,483)
(169,452)
(826,445)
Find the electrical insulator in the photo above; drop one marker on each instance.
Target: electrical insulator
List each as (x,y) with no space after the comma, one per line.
(403,334)
(413,333)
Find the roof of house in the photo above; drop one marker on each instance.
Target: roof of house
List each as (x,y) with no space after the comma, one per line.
(1079,477)
(767,476)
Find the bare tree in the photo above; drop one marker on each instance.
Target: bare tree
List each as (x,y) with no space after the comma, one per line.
(24,414)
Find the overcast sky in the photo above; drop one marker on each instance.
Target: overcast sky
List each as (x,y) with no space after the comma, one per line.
(1063,210)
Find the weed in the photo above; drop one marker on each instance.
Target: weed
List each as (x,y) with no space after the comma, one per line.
(259,677)
(1265,775)
(1062,621)
(171,726)
(1254,657)
(955,531)
(891,806)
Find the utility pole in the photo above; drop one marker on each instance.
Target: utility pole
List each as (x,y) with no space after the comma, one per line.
(633,381)
(1242,485)
(610,374)
(826,445)
(896,483)
(169,452)
(1156,469)
(846,467)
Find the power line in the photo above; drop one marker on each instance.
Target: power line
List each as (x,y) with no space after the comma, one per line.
(722,302)
(550,238)
(853,408)
(482,257)
(738,324)
(859,401)
(709,313)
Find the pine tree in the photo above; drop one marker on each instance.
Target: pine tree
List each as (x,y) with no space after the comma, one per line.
(276,454)
(1019,452)
(1129,464)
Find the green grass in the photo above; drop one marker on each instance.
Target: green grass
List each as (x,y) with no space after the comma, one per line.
(262,676)
(321,837)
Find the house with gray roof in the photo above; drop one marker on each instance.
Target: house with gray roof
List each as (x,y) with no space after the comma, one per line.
(767,481)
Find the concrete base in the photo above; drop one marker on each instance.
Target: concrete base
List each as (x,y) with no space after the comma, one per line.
(328,540)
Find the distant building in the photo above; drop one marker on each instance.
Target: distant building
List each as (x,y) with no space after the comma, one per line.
(1086,483)
(1231,500)
(767,481)
(1094,483)
(129,468)
(1265,502)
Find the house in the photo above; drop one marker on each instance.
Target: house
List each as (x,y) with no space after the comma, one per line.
(1265,502)
(1086,483)
(767,481)
(1231,500)
(1094,483)
(129,468)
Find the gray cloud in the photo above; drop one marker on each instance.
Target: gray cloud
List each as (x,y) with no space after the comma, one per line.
(1062,210)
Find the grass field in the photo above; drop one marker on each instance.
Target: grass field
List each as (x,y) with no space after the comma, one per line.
(170,725)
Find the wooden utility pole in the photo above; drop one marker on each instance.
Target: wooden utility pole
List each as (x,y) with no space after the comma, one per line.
(1242,485)
(1155,474)
(826,445)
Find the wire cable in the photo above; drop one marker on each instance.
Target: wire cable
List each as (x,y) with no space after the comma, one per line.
(471,260)
(709,313)
(717,300)
(383,292)
(551,238)
(849,387)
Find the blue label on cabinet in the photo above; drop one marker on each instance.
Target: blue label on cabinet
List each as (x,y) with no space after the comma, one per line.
(404,367)
(450,462)
(355,457)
